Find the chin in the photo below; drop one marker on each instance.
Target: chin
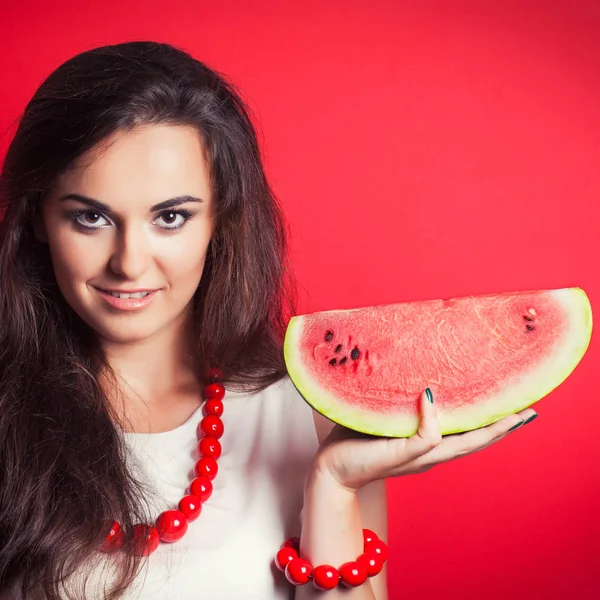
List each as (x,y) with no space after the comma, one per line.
(125,335)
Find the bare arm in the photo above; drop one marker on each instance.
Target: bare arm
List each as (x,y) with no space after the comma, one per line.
(332,524)
(345,490)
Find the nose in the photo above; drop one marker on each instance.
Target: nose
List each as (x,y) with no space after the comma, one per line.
(132,255)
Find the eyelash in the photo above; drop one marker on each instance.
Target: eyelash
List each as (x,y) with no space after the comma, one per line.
(76,214)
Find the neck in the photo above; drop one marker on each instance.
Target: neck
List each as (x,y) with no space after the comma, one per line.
(156,374)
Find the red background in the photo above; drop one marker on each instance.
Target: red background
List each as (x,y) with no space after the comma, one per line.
(421,150)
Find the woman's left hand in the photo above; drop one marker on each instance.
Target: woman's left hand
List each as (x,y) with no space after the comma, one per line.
(355,459)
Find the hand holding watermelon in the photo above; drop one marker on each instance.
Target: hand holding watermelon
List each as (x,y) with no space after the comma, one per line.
(354,459)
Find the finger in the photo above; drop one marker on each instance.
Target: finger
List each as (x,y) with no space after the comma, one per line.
(428,434)
(528,414)
(479,439)
(508,424)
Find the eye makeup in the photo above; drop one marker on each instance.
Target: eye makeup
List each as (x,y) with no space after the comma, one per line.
(77,218)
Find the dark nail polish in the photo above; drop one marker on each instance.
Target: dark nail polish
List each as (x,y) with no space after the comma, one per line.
(531,418)
(517,426)
(429,395)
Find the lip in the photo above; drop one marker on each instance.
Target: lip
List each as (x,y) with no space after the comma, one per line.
(127,304)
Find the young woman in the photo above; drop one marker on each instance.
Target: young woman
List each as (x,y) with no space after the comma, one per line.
(142,277)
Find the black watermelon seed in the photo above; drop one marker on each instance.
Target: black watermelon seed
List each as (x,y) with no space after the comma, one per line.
(527,318)
(530,327)
(343,360)
(333,362)
(328,336)
(355,354)
(338,348)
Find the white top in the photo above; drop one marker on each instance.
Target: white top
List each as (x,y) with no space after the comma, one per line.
(268,444)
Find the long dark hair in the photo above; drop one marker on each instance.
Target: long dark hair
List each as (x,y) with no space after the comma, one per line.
(62,468)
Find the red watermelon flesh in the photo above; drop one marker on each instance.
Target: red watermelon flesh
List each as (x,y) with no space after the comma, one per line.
(484,357)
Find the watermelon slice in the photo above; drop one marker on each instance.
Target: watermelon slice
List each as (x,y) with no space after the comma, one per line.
(484,357)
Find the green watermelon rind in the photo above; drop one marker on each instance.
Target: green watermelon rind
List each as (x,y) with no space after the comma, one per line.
(516,395)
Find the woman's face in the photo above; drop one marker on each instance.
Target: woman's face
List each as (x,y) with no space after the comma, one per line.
(128,228)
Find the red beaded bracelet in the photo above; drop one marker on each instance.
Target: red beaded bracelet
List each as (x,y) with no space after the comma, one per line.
(325,577)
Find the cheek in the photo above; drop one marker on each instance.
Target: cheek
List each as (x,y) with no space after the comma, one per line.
(75,257)
(186,263)
(182,258)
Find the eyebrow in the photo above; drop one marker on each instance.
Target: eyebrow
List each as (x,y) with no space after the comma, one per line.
(101,207)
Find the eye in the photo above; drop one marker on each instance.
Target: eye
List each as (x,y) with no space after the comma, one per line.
(172,219)
(90,220)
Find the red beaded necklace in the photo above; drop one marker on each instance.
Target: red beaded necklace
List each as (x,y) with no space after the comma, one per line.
(171,525)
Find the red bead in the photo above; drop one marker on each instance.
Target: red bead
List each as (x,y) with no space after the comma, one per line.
(369,536)
(352,574)
(214,375)
(171,525)
(213,407)
(293,542)
(206,467)
(378,547)
(113,539)
(191,507)
(325,577)
(211,425)
(214,390)
(372,562)
(284,556)
(146,539)
(202,488)
(298,571)
(209,446)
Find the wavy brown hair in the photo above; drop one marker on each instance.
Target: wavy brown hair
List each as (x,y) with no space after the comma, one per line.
(62,467)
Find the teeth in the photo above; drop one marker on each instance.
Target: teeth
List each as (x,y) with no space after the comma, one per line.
(125,296)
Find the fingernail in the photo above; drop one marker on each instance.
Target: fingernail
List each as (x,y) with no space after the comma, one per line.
(517,426)
(531,418)
(429,395)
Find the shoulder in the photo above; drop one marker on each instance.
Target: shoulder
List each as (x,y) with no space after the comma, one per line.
(285,393)
(281,413)
(299,408)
